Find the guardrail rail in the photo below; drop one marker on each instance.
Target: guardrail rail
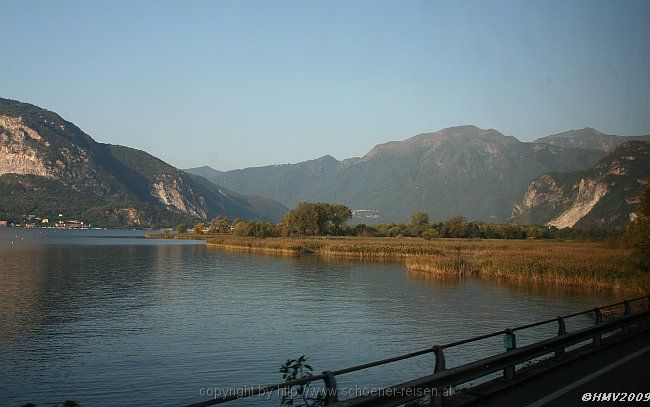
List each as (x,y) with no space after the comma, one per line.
(444,377)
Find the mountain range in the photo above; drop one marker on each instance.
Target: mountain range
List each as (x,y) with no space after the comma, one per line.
(480,174)
(588,138)
(583,178)
(48,166)
(465,170)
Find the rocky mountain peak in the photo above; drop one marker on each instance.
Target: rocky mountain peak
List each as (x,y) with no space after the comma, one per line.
(589,138)
(51,166)
(456,136)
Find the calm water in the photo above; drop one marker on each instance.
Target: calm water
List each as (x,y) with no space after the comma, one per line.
(107,318)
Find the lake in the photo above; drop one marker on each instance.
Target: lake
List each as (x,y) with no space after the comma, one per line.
(108,318)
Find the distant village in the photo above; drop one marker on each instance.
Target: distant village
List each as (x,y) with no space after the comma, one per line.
(33,221)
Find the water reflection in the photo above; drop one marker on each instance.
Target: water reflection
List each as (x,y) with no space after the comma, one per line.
(435,278)
(124,320)
(599,296)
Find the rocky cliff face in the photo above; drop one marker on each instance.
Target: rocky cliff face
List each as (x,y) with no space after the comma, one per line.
(108,184)
(604,196)
(19,154)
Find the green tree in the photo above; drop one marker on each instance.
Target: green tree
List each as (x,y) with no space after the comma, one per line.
(241,228)
(419,219)
(454,227)
(181,228)
(312,219)
(301,221)
(221,224)
(263,229)
(419,223)
(338,215)
(431,232)
(638,232)
(199,228)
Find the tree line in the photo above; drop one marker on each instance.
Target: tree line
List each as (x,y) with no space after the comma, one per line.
(638,232)
(324,219)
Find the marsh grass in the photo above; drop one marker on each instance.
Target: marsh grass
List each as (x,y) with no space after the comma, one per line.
(581,264)
(182,236)
(453,265)
(587,265)
(377,248)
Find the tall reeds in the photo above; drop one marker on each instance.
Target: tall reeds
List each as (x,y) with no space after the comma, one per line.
(592,265)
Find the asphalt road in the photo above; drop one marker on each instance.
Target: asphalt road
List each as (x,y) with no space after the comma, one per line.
(622,368)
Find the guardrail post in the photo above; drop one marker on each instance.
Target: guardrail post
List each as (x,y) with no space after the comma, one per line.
(648,306)
(510,342)
(599,320)
(331,392)
(437,399)
(561,330)
(440,359)
(627,329)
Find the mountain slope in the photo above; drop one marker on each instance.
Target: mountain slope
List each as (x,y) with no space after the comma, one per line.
(45,159)
(604,196)
(588,138)
(285,183)
(192,193)
(460,170)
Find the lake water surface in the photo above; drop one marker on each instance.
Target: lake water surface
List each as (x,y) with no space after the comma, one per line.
(108,318)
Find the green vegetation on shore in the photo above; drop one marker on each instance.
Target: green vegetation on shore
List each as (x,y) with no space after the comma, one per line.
(370,248)
(638,233)
(323,219)
(586,264)
(532,254)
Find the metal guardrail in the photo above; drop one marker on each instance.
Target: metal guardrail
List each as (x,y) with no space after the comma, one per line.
(446,377)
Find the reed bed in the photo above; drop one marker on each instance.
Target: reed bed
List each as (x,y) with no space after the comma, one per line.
(378,248)
(452,265)
(586,265)
(182,236)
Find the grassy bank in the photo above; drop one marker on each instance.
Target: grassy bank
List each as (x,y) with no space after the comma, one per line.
(589,265)
(359,247)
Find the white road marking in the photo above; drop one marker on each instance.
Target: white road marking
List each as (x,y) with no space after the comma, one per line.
(587,379)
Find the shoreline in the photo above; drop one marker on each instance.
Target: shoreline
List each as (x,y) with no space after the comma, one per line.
(580,264)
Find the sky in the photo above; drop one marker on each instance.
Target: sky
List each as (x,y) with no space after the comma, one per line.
(234,84)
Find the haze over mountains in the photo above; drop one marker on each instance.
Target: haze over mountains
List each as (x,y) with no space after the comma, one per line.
(48,166)
(480,174)
(588,138)
(461,170)
(578,178)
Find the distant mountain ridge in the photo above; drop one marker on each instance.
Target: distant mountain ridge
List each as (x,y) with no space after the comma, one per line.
(588,138)
(49,166)
(605,195)
(463,170)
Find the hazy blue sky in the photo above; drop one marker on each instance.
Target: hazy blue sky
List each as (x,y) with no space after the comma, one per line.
(245,83)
